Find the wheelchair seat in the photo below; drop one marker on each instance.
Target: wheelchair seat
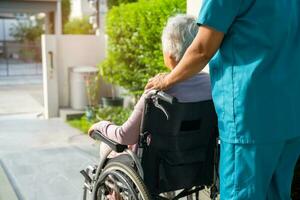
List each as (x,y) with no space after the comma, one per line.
(178,144)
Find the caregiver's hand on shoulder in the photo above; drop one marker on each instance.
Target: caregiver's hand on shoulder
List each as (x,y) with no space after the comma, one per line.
(159,82)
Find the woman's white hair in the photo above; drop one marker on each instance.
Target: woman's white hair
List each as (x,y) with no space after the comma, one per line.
(178,35)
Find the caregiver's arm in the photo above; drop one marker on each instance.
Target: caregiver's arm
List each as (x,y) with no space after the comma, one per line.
(197,56)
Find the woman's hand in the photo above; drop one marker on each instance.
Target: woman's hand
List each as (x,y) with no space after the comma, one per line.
(159,82)
(92,128)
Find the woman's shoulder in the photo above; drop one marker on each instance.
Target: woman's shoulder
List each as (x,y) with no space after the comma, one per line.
(199,80)
(200,76)
(196,88)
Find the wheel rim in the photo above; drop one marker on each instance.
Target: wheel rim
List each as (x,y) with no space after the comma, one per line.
(126,176)
(116,182)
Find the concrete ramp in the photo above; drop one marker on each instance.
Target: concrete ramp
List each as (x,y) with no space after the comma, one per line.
(41,159)
(46,174)
(7,192)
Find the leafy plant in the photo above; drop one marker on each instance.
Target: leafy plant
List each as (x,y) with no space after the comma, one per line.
(117,115)
(66,10)
(112,3)
(78,26)
(82,124)
(28,54)
(27,31)
(92,88)
(134,42)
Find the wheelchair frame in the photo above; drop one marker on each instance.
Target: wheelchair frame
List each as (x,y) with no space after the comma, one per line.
(93,176)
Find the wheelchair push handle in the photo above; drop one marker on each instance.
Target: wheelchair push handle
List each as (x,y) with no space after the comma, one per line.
(165,97)
(161,95)
(97,135)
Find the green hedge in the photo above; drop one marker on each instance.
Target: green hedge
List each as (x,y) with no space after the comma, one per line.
(78,26)
(134,45)
(66,10)
(112,3)
(82,124)
(117,115)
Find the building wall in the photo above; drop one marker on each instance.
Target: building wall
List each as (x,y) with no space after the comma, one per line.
(193,8)
(68,51)
(80,8)
(77,50)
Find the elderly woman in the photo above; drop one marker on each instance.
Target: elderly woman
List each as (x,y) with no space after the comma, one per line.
(178,34)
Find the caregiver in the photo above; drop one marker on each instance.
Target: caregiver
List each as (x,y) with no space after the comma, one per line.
(254,51)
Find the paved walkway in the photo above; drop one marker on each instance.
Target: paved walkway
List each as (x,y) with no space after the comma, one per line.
(21,95)
(42,158)
(39,159)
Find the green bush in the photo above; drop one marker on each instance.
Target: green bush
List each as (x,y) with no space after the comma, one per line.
(27,31)
(66,10)
(112,3)
(82,124)
(78,26)
(134,44)
(117,115)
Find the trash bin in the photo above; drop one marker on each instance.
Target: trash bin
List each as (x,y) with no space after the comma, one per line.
(78,93)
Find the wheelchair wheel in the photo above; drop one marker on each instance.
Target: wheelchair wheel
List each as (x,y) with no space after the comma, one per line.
(121,180)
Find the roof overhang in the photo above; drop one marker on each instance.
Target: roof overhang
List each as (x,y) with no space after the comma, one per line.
(31,0)
(30,6)
(7,16)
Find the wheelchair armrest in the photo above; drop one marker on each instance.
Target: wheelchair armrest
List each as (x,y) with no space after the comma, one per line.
(97,135)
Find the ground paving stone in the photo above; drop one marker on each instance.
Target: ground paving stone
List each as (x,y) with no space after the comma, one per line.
(42,158)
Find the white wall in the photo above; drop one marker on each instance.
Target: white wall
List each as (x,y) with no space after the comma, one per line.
(75,9)
(193,7)
(70,51)
(80,8)
(50,79)
(77,50)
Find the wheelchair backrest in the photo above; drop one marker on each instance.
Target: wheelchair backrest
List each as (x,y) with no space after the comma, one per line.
(179,148)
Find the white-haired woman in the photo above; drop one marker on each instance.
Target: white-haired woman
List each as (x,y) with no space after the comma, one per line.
(178,34)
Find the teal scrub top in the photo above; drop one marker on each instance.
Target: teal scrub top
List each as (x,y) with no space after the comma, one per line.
(256,72)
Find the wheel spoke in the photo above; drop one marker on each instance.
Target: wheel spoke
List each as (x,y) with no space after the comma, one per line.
(125,182)
(116,182)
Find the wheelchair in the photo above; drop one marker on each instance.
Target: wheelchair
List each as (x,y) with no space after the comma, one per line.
(177,151)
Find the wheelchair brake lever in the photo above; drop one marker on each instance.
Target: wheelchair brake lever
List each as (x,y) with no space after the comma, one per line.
(157,105)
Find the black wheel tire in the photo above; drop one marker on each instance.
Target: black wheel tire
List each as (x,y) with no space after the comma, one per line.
(131,175)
